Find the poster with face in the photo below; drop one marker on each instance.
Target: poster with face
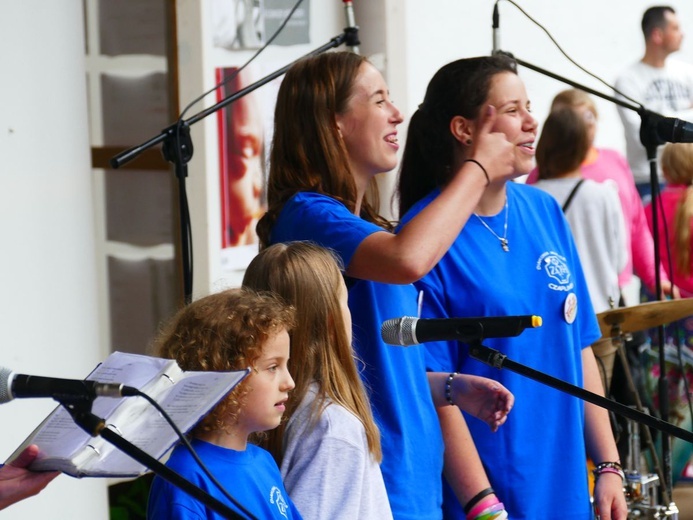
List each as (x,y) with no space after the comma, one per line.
(242,160)
(245,128)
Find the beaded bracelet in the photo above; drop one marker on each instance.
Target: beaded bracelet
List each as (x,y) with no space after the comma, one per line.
(488,180)
(448,388)
(608,467)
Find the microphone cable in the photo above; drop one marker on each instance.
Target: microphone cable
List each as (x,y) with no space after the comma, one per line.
(184,440)
(571,60)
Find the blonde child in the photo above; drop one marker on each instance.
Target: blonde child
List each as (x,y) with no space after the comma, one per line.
(329,449)
(231,330)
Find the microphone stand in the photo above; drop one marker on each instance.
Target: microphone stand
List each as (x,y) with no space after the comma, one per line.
(497,360)
(80,410)
(177,148)
(651,139)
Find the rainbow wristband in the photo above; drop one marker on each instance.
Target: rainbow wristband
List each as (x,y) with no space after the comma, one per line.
(495,512)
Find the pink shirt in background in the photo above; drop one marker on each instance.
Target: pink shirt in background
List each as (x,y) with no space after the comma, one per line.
(610,164)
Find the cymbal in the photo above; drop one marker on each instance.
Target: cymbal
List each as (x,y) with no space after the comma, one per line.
(644,316)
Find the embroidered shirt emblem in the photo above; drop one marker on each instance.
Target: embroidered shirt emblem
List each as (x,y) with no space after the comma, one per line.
(556,267)
(277,498)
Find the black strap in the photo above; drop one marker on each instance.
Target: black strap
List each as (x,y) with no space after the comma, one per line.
(572,194)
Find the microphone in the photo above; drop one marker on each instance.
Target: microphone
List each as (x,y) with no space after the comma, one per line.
(351,29)
(673,130)
(412,331)
(496,29)
(13,386)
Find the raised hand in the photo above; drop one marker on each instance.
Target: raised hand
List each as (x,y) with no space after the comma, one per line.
(492,149)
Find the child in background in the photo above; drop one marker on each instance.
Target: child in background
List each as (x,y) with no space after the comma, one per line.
(329,450)
(677,203)
(231,330)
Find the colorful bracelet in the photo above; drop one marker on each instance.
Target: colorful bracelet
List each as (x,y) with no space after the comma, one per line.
(495,512)
(608,467)
(448,388)
(488,180)
(485,506)
(477,498)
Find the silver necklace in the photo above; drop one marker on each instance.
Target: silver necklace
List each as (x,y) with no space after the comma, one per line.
(503,240)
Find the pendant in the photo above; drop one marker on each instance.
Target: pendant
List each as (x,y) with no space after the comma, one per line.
(504,244)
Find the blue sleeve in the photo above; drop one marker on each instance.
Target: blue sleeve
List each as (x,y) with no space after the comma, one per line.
(323,220)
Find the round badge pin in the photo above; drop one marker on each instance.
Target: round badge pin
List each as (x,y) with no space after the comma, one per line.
(570,308)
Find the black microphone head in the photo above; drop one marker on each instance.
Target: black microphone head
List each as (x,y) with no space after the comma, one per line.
(399,331)
(5,383)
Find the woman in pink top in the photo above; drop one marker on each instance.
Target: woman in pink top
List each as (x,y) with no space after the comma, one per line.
(602,164)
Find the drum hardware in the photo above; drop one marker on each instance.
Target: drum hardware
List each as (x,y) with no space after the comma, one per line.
(642,491)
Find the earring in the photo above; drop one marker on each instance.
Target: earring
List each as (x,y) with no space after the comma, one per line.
(468,142)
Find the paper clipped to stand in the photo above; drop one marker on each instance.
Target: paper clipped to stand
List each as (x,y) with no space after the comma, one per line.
(185,396)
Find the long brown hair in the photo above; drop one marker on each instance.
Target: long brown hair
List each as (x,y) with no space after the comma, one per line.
(677,166)
(308,277)
(307,152)
(458,88)
(221,332)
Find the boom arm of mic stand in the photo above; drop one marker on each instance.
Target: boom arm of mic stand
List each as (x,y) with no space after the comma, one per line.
(177,148)
(128,155)
(93,425)
(497,360)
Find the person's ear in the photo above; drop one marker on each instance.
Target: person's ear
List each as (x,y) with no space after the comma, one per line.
(657,36)
(462,129)
(338,126)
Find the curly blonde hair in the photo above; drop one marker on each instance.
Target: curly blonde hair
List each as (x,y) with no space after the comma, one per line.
(222,332)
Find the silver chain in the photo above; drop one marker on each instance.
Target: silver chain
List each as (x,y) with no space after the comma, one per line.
(503,240)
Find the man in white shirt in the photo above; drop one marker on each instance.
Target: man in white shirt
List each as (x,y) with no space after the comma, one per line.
(660,84)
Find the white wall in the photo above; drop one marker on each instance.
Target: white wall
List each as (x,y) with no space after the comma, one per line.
(602,36)
(48,318)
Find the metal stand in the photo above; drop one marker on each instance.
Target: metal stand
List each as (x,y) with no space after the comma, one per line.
(177,148)
(639,489)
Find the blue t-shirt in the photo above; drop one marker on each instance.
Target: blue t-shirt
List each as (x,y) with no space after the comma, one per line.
(395,377)
(250,476)
(537,460)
